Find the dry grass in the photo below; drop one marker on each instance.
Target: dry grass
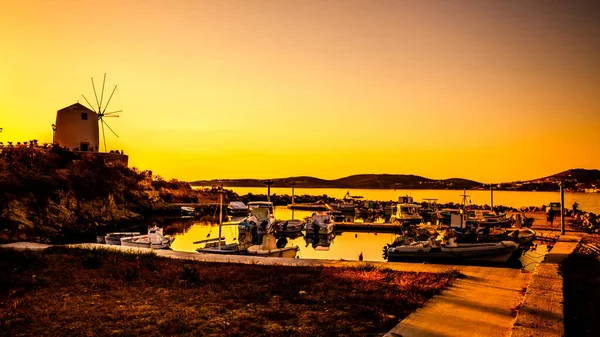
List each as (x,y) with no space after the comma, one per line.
(67,292)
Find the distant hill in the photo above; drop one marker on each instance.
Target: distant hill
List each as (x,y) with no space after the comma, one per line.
(578,175)
(368,181)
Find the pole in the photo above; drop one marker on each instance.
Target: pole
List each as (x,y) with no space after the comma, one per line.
(293,184)
(269,183)
(562,209)
(220,213)
(492,196)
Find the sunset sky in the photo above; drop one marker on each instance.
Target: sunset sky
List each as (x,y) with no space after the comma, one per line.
(495,90)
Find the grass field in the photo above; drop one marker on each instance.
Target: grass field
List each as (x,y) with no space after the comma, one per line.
(68,292)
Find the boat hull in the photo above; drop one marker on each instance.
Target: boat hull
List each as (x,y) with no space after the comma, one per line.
(289,252)
(491,253)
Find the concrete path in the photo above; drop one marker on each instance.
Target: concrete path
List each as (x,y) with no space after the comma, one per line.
(477,305)
(481,304)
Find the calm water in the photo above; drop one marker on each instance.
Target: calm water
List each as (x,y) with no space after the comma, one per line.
(344,246)
(587,201)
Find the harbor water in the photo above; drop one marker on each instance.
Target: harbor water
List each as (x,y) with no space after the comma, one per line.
(346,245)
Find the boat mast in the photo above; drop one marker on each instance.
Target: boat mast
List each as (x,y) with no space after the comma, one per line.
(220,213)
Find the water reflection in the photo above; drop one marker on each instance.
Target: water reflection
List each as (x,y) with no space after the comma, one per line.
(347,245)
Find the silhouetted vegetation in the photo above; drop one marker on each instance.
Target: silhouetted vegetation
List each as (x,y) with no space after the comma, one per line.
(51,194)
(65,291)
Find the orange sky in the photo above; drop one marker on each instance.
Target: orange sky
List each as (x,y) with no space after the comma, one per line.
(486,90)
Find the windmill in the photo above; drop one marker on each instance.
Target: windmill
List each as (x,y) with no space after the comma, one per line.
(100,109)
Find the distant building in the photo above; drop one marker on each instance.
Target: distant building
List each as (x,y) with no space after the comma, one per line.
(77,129)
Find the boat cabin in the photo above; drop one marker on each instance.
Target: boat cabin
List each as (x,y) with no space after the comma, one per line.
(406,199)
(260,204)
(408,212)
(321,217)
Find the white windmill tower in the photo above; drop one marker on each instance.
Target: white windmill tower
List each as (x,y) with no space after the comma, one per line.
(77,125)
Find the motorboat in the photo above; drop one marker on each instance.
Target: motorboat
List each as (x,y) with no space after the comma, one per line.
(290,226)
(269,248)
(115,237)
(317,206)
(407,249)
(154,239)
(523,236)
(320,222)
(260,217)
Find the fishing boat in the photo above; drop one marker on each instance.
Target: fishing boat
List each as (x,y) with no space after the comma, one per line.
(115,238)
(320,222)
(268,248)
(154,239)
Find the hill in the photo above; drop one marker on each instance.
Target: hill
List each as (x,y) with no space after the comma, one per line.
(367,181)
(578,175)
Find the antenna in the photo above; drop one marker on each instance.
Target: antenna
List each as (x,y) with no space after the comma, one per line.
(101,110)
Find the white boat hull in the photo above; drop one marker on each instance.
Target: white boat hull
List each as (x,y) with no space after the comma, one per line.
(289,252)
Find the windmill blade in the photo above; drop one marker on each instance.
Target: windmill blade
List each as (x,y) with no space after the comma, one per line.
(95,95)
(103,136)
(108,126)
(111,95)
(112,112)
(88,102)
(102,94)
(111,116)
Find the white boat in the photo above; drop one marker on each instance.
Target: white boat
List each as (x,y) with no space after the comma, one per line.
(115,238)
(348,203)
(320,222)
(154,239)
(269,248)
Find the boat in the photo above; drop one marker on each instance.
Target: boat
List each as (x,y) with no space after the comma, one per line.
(487,218)
(317,206)
(348,203)
(154,239)
(218,245)
(450,250)
(320,222)
(260,217)
(289,226)
(269,248)
(407,213)
(523,236)
(115,238)
(237,208)
(188,210)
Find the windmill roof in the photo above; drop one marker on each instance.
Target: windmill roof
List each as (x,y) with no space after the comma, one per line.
(77,106)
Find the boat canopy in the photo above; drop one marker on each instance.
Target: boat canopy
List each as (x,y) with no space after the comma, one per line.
(238,205)
(261,213)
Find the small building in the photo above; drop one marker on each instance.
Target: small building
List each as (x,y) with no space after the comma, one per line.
(77,128)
